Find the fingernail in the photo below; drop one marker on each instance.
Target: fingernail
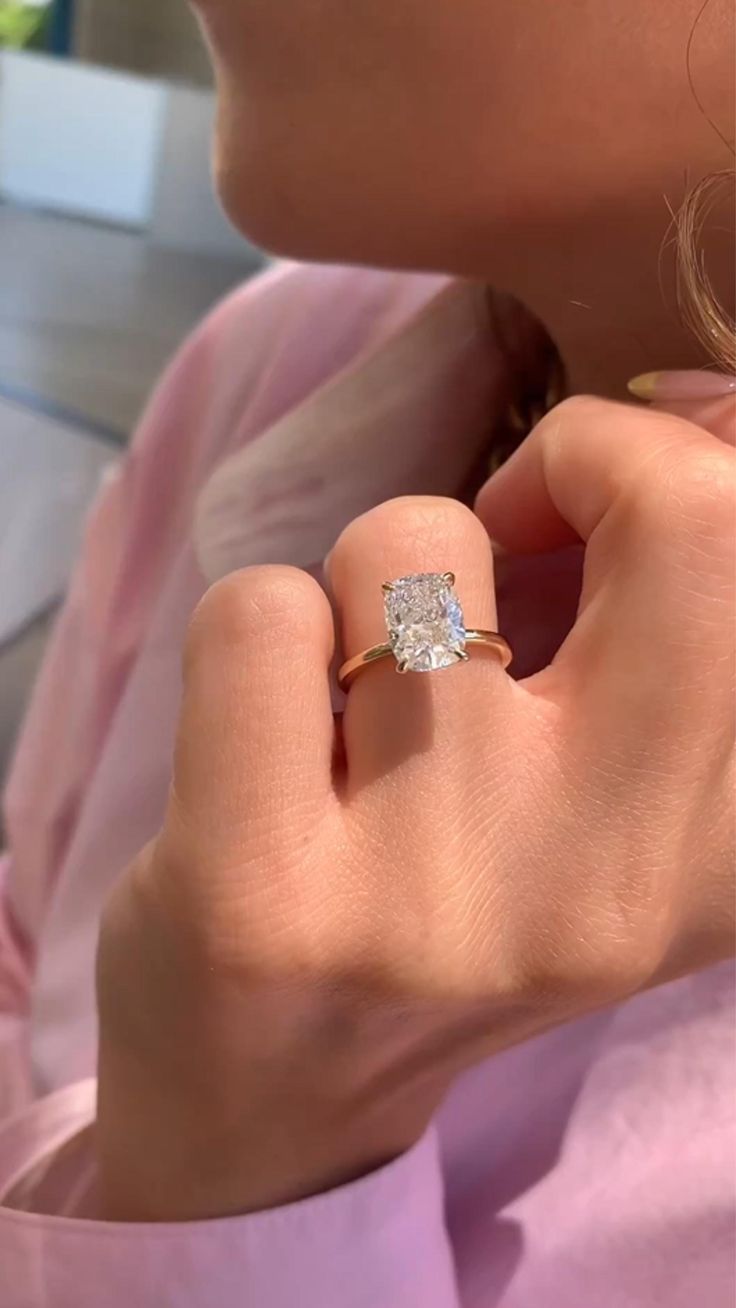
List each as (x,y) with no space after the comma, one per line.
(695,384)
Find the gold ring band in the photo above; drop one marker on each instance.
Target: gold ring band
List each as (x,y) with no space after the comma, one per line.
(488,639)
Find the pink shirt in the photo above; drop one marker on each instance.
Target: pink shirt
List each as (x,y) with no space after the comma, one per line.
(589,1168)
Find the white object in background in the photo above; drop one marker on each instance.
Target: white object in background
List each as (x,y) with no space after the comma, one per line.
(49,474)
(78,139)
(185,212)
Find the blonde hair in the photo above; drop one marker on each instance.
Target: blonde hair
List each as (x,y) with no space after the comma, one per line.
(699,306)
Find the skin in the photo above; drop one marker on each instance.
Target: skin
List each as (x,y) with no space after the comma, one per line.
(476,858)
(492,139)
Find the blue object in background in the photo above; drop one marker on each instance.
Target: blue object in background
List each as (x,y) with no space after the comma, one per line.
(59,31)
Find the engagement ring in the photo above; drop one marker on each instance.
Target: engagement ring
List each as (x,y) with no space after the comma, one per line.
(426,629)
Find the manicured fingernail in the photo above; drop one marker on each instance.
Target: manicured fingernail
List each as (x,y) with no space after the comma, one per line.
(695,384)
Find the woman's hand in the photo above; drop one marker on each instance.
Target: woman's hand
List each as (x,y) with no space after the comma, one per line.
(324,935)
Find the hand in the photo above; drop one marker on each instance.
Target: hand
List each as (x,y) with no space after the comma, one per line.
(324,934)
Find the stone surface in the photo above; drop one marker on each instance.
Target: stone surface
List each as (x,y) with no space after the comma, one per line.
(425,622)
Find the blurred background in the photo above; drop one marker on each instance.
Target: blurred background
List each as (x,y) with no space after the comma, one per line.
(111,247)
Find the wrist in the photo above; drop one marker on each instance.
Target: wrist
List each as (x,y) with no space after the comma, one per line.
(162,1157)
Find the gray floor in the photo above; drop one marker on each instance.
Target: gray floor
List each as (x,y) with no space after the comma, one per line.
(88,318)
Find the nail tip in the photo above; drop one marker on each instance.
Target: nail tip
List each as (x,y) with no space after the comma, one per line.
(643,386)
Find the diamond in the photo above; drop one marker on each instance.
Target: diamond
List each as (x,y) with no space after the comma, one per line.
(426,628)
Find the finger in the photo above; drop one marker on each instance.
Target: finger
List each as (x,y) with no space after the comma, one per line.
(717,416)
(577,463)
(653,498)
(254,748)
(390,719)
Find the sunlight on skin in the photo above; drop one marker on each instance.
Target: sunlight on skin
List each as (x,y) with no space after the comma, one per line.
(528,145)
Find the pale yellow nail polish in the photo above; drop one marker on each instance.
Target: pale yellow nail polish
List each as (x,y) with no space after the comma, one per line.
(644,386)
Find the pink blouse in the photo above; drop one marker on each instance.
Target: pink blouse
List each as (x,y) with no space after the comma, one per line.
(589,1168)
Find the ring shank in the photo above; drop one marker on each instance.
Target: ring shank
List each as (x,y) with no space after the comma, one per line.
(492,640)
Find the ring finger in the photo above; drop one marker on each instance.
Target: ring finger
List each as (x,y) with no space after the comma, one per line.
(425,725)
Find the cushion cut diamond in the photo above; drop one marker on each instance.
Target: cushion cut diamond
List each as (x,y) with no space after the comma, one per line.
(425,622)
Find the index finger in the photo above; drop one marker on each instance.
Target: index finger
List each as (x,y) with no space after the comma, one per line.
(718,415)
(654,499)
(582,457)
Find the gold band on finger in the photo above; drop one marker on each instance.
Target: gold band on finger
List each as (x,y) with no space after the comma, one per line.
(489,639)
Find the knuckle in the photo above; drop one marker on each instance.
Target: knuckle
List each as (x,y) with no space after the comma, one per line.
(576,414)
(692,494)
(421,519)
(579,408)
(701,491)
(255,602)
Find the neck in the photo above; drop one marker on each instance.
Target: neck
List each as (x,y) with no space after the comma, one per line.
(605,288)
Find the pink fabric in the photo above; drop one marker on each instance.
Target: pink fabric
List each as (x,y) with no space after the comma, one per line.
(590,1168)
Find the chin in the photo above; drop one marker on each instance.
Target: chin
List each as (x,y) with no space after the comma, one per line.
(296,196)
(308,223)
(265,184)
(257,209)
